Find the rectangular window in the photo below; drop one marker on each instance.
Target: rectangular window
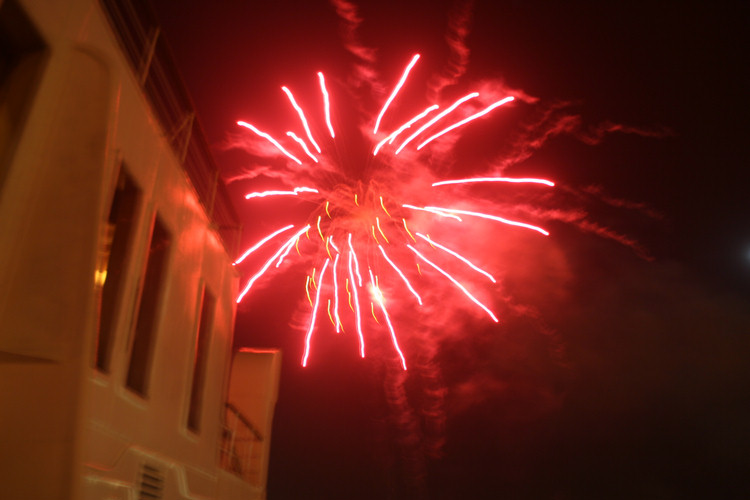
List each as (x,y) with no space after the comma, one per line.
(22,57)
(113,256)
(147,315)
(200,360)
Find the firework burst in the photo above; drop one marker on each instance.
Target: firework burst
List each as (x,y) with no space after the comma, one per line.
(366,238)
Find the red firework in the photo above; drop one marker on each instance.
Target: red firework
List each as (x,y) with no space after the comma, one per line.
(359,230)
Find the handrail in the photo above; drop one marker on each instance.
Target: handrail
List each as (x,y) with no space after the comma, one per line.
(238,438)
(136,26)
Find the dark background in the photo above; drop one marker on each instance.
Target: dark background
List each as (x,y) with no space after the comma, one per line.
(630,378)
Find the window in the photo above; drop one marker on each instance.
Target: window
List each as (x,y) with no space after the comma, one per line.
(113,256)
(144,335)
(22,57)
(200,360)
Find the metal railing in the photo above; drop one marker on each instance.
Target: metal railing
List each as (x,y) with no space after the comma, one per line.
(238,453)
(137,28)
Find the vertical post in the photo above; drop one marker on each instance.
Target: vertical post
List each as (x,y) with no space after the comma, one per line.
(148,55)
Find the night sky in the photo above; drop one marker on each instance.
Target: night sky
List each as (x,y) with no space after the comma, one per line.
(618,369)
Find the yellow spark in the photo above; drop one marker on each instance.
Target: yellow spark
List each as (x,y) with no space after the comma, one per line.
(355,200)
(327,212)
(373,235)
(307,290)
(430,242)
(329,313)
(319,231)
(350,295)
(419,269)
(384,209)
(328,249)
(313,279)
(377,221)
(409,232)
(372,309)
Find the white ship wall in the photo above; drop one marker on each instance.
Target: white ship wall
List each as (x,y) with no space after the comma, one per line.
(68,430)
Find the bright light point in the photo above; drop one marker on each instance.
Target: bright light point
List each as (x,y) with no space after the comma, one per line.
(269,139)
(395,91)
(379,298)
(495,179)
(466,120)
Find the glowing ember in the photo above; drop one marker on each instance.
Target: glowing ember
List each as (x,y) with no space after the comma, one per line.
(374,220)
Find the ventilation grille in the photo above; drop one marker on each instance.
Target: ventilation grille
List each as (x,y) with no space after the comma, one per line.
(151,484)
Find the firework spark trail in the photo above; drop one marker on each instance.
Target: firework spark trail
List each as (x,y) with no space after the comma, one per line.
(314,314)
(455,282)
(269,139)
(294,192)
(326,103)
(458,256)
(303,145)
(336,294)
(268,263)
(390,138)
(381,302)
(494,179)
(261,243)
(436,119)
(302,118)
(400,273)
(395,91)
(487,216)
(357,312)
(465,121)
